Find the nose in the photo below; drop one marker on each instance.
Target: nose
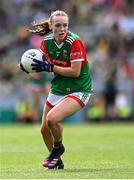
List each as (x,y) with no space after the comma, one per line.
(62,28)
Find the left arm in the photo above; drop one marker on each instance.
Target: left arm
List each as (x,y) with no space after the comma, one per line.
(72,71)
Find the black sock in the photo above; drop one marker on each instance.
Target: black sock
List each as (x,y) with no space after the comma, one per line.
(58,144)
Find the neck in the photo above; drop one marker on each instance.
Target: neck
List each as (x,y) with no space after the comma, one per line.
(58,41)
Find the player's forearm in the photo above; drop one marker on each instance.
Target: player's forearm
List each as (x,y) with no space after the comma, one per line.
(66,71)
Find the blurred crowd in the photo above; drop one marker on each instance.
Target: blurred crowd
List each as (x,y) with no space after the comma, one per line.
(106,27)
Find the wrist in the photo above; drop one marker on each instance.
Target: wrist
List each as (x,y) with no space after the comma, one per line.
(52,67)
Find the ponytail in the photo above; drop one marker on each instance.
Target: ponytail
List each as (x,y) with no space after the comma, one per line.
(40,28)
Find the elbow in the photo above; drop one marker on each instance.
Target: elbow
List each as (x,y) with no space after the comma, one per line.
(76,74)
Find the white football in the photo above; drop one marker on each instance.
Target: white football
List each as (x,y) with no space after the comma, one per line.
(27,59)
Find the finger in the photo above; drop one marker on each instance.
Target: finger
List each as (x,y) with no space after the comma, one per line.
(23,69)
(37,61)
(33,68)
(34,65)
(37,70)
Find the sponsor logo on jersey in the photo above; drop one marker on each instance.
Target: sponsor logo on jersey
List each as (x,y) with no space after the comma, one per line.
(78,53)
(61,63)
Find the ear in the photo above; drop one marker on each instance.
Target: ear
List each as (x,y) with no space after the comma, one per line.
(50,26)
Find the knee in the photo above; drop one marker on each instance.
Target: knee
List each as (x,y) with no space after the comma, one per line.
(51,119)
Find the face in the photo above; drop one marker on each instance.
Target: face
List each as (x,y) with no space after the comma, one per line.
(59,26)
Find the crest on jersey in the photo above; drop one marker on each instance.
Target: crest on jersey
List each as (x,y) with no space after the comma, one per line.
(65,52)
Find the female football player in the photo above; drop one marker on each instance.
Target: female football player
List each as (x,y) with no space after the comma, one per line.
(65,55)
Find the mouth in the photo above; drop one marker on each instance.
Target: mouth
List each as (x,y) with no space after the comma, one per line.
(61,34)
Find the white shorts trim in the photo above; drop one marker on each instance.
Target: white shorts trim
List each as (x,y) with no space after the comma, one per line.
(80,97)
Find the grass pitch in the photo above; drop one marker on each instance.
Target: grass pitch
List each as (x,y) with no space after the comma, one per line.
(92,152)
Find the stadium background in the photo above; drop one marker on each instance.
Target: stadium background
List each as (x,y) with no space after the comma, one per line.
(107,28)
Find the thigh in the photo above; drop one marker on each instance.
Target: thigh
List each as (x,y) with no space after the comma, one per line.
(65,108)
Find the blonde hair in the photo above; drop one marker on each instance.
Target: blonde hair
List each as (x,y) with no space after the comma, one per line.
(43,28)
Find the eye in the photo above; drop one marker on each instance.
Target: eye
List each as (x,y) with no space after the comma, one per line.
(61,25)
(64,25)
(57,25)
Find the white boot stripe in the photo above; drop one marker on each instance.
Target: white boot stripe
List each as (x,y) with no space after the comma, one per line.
(54,162)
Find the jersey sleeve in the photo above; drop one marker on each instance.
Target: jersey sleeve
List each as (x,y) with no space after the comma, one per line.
(44,50)
(77,52)
(43,47)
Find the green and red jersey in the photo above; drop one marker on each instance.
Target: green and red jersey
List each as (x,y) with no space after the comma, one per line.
(70,50)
